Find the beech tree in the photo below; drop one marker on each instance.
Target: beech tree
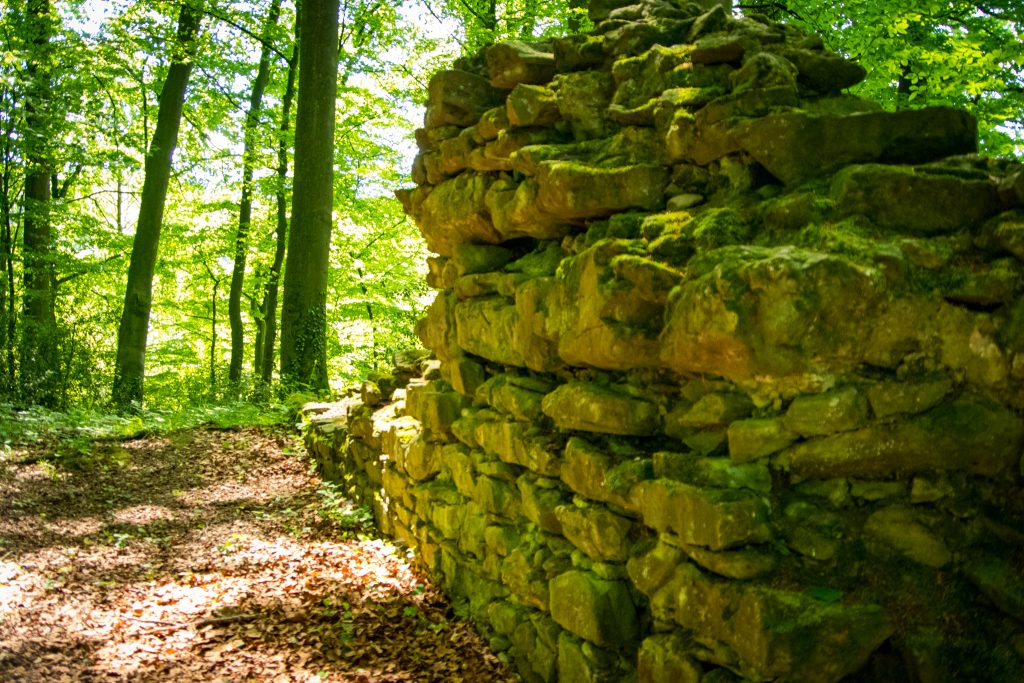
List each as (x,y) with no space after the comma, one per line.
(251,126)
(304,312)
(38,347)
(130,369)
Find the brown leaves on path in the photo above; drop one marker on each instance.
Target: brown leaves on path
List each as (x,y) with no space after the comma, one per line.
(203,556)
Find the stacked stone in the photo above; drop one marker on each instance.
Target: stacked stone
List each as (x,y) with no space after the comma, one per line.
(730,363)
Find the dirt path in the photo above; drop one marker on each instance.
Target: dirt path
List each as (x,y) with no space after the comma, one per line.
(204,557)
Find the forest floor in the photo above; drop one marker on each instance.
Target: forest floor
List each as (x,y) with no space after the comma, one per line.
(206,556)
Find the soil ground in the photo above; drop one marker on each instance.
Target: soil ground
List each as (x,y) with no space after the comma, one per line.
(206,556)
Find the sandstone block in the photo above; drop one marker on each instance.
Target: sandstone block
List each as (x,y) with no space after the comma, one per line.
(458,98)
(894,398)
(756,438)
(900,529)
(714,518)
(601,534)
(598,476)
(840,410)
(572,191)
(879,192)
(666,657)
(969,433)
(589,407)
(796,146)
(513,62)
(599,611)
(532,105)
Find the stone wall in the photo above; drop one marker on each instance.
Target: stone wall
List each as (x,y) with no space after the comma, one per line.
(729,365)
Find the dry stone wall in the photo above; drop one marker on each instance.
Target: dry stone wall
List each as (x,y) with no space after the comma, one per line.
(729,364)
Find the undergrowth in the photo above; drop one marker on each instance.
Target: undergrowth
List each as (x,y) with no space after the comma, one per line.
(69,439)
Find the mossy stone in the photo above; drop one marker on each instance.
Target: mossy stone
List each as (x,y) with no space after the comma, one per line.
(596,610)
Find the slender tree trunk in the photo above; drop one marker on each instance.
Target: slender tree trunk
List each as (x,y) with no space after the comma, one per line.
(130,366)
(304,311)
(38,345)
(252,120)
(265,349)
(6,255)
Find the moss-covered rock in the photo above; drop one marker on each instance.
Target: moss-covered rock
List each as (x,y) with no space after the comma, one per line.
(714,518)
(599,611)
(969,433)
(590,407)
(513,62)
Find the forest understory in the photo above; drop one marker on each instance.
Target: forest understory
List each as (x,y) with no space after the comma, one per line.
(210,555)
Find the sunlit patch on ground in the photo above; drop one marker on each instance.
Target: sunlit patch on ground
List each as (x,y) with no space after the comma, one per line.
(206,558)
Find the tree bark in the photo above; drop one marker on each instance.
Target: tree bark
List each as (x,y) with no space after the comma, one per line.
(252,120)
(38,353)
(267,332)
(304,310)
(130,367)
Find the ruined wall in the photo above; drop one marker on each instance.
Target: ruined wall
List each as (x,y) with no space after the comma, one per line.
(729,364)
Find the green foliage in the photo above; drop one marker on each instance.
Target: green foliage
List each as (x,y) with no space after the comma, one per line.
(85,439)
(965,53)
(351,519)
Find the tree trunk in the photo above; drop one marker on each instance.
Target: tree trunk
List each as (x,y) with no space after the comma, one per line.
(252,120)
(304,311)
(130,366)
(268,332)
(38,346)
(6,253)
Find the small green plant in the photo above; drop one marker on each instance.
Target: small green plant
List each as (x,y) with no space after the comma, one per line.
(334,506)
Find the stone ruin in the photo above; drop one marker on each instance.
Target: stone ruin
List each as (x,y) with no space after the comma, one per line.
(729,365)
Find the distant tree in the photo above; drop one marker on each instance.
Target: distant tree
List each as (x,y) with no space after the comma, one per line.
(250,144)
(38,355)
(130,368)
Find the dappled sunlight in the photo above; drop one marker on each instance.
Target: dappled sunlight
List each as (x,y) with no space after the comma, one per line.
(209,558)
(141,515)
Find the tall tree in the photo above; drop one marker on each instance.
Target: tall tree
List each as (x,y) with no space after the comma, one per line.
(130,368)
(252,120)
(266,331)
(304,311)
(38,346)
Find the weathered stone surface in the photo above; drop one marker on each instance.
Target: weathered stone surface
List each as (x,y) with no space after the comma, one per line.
(805,317)
(602,535)
(510,63)
(421,460)
(765,633)
(456,212)
(969,433)
(599,611)
(434,405)
(597,475)
(597,303)
(533,105)
(711,411)
(589,407)
(839,410)
(733,564)
(458,98)
(799,145)
(878,193)
(1000,581)
(758,437)
(667,657)
(1005,232)
(895,397)
(826,73)
(583,100)
(515,212)
(572,191)
(716,472)
(520,444)
(508,397)
(541,499)
(715,518)
(901,529)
